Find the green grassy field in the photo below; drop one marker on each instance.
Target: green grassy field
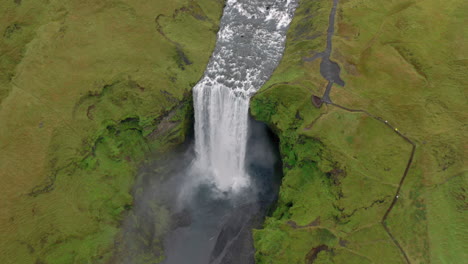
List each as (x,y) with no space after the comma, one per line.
(87,90)
(403,61)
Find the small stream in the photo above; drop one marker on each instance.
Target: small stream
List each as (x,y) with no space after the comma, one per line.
(329,69)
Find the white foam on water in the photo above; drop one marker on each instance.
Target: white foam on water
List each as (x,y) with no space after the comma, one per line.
(249,47)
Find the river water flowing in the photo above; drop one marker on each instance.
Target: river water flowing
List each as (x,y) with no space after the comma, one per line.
(233,179)
(249,47)
(199,203)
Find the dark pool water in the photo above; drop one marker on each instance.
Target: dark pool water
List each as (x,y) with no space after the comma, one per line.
(174,218)
(213,227)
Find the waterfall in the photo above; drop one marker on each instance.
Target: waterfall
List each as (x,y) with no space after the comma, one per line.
(249,47)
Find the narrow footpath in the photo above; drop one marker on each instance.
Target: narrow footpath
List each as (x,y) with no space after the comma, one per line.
(330,70)
(402,180)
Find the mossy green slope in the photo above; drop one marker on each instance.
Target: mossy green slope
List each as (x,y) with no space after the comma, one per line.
(403,61)
(87,89)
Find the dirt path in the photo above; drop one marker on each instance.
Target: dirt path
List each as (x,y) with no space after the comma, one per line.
(330,70)
(402,180)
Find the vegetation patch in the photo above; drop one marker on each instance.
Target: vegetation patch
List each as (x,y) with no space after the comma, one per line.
(88,92)
(345,167)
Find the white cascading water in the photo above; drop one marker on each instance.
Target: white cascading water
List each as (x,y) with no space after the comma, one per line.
(249,47)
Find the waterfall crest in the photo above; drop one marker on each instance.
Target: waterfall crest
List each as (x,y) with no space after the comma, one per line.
(249,47)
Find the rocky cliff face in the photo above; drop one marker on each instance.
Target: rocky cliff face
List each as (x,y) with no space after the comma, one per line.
(87,90)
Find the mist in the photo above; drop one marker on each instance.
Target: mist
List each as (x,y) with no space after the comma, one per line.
(200,203)
(184,218)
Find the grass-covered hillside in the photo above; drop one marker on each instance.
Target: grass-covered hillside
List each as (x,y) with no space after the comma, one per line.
(86,89)
(404,64)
